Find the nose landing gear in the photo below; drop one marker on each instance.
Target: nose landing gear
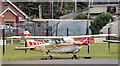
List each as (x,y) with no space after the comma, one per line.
(74,57)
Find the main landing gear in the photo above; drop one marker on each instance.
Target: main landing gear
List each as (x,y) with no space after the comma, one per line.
(49,58)
(74,57)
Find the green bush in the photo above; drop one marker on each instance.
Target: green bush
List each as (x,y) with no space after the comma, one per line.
(100,21)
(82,16)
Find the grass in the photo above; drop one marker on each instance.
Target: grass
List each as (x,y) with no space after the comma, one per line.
(96,51)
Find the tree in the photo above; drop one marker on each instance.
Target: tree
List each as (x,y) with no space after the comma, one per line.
(100,21)
(59,8)
(81,16)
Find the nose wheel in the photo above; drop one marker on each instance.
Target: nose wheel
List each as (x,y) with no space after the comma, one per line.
(50,57)
(74,57)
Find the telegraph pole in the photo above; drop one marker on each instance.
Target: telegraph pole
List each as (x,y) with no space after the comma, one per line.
(87,28)
(40,12)
(75,5)
(52,9)
(56,29)
(109,31)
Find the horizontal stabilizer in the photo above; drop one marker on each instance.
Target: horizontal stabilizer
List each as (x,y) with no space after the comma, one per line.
(23,48)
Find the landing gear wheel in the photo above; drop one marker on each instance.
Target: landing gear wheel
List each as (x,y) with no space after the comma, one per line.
(43,58)
(50,57)
(74,57)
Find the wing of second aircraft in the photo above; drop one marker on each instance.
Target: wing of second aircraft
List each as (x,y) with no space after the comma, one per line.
(23,48)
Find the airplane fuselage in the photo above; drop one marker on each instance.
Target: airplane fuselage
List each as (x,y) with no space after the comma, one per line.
(58,48)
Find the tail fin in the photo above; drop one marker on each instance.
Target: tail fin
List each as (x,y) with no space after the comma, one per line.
(29,41)
(26,33)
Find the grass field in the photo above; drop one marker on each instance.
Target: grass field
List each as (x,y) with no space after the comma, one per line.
(96,51)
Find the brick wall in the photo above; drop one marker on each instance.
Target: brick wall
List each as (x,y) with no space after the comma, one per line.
(10,6)
(9,16)
(0,12)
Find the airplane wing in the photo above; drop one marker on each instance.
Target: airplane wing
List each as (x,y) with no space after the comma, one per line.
(37,37)
(60,37)
(99,35)
(23,48)
(111,41)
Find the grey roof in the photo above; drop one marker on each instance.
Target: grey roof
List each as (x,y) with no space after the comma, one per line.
(95,9)
(115,29)
(92,11)
(69,16)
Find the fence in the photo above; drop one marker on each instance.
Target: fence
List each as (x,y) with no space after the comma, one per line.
(34,28)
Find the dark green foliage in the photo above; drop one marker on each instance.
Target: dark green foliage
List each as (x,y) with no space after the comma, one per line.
(31,8)
(100,21)
(81,16)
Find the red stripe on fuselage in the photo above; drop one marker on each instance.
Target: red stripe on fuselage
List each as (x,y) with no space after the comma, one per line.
(22,37)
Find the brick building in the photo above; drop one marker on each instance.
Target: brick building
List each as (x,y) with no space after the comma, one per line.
(11,14)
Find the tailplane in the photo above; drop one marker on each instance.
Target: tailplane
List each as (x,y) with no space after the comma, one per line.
(29,41)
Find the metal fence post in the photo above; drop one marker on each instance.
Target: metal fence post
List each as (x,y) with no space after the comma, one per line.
(3,41)
(67,32)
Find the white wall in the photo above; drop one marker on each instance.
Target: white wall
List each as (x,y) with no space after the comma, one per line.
(1,42)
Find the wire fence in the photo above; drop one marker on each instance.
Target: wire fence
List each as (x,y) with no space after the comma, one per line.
(34,28)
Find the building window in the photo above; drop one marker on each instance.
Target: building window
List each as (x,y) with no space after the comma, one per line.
(11,23)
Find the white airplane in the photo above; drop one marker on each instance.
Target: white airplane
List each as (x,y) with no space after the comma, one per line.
(65,45)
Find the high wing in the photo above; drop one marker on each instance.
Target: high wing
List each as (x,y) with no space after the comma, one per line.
(99,35)
(37,37)
(61,37)
(111,41)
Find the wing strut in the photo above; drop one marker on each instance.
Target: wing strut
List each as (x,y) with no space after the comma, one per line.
(57,47)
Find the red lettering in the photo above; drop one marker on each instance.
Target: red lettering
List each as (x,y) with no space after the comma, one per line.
(37,43)
(34,43)
(30,43)
(40,42)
